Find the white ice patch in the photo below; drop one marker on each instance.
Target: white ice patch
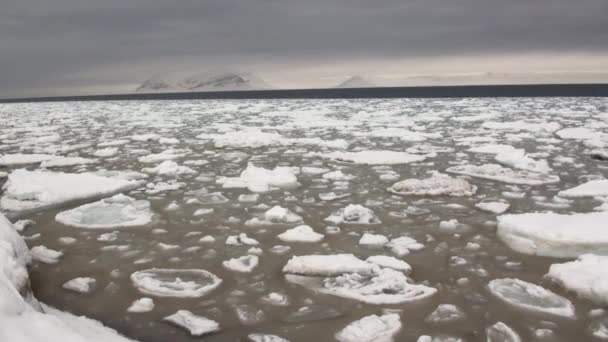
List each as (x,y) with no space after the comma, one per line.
(445,313)
(66,161)
(301,233)
(390,262)
(169,168)
(196,325)
(45,255)
(113,212)
(555,235)
(353,214)
(501,332)
(518,159)
(36,190)
(255,138)
(275,215)
(83,285)
(403,245)
(371,328)
(437,184)
(592,188)
(501,174)
(23,159)
(493,207)
(106,152)
(161,282)
(373,240)
(372,157)
(326,265)
(492,149)
(578,133)
(265,338)
(144,304)
(169,154)
(531,298)
(244,264)
(259,179)
(587,277)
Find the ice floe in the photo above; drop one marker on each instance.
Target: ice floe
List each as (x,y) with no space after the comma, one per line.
(244,264)
(518,159)
(162,282)
(83,285)
(66,161)
(116,211)
(144,304)
(500,332)
(498,173)
(437,184)
(371,328)
(196,325)
(36,190)
(587,277)
(353,214)
(493,207)
(170,168)
(301,233)
(598,187)
(259,179)
(375,157)
(45,255)
(275,215)
(531,298)
(555,235)
(22,159)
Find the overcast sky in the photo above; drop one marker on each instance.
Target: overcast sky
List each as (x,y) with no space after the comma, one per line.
(52,47)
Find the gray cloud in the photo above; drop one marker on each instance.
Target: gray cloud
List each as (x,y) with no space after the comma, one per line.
(76,46)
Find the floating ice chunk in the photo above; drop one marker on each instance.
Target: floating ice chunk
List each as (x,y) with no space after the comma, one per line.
(212,198)
(241,239)
(437,184)
(301,233)
(520,125)
(338,175)
(373,240)
(196,325)
(175,282)
(555,235)
(3,174)
(371,328)
(36,190)
(445,313)
(492,149)
(108,236)
(592,188)
(259,179)
(169,141)
(501,332)
(390,262)
(145,137)
(381,286)
(249,198)
(244,264)
(254,138)
(144,304)
(375,157)
(530,297)
(265,338)
(81,285)
(439,338)
(311,170)
(22,224)
(578,133)
(169,168)
(106,152)
(518,159)
(501,174)
(276,299)
(353,214)
(599,328)
(275,215)
(326,265)
(113,212)
(169,154)
(66,161)
(45,255)
(403,245)
(23,159)
(587,277)
(493,207)
(203,211)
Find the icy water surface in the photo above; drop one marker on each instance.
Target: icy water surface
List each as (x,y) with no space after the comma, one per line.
(213,139)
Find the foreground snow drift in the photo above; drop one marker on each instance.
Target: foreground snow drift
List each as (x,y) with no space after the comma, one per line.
(22,317)
(555,235)
(37,190)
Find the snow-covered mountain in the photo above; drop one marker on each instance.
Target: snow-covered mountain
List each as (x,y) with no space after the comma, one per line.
(356,82)
(223,81)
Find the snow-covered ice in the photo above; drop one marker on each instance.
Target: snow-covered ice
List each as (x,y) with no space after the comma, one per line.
(587,277)
(353,214)
(371,328)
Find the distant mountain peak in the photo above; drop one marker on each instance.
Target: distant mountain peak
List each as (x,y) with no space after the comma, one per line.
(216,81)
(356,81)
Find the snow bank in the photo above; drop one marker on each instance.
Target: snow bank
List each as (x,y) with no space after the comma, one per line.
(555,235)
(116,211)
(587,277)
(437,184)
(22,318)
(36,190)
